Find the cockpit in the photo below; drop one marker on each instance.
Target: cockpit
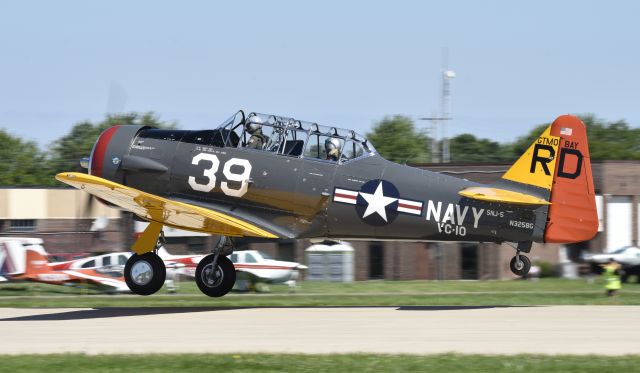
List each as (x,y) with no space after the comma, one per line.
(293,138)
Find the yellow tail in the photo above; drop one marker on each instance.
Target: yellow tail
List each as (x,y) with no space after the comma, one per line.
(537,165)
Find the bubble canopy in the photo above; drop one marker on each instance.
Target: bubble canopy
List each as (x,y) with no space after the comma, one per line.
(293,137)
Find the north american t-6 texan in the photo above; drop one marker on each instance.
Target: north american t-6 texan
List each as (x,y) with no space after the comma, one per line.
(267,177)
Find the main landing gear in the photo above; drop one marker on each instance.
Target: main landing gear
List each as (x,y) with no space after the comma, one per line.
(215,274)
(145,271)
(520,264)
(145,274)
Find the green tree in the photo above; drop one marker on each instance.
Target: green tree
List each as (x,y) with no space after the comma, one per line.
(22,162)
(612,140)
(607,140)
(67,151)
(397,139)
(468,148)
(522,143)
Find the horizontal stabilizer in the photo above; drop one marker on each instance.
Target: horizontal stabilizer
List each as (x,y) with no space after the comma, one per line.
(489,194)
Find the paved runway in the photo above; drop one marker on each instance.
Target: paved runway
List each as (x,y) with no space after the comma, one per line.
(606,330)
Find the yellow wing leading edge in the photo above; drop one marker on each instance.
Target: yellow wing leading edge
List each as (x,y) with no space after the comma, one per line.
(162,211)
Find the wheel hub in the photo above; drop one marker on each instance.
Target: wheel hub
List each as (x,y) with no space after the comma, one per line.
(141,272)
(519,264)
(212,279)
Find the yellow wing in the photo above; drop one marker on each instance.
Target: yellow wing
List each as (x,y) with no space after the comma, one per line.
(501,195)
(161,210)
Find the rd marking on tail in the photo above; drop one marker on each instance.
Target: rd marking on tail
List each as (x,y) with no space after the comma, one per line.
(544,159)
(537,165)
(562,163)
(544,152)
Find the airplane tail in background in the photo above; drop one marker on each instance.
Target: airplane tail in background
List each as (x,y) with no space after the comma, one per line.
(35,263)
(558,162)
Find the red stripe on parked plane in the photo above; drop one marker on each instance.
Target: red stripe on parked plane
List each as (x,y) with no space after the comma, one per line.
(259,266)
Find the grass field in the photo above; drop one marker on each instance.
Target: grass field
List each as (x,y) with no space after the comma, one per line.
(372,293)
(369,293)
(317,363)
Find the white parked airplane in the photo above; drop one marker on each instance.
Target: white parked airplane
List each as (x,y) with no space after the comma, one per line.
(626,255)
(99,261)
(117,260)
(253,266)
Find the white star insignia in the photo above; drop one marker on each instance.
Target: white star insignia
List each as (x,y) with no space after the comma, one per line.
(377,202)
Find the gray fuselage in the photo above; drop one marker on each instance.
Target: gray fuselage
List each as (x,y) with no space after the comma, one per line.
(298,197)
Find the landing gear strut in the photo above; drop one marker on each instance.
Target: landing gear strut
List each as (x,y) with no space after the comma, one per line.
(520,264)
(215,274)
(145,273)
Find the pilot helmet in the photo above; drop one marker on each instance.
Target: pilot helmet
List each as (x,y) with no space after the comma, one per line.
(331,143)
(253,123)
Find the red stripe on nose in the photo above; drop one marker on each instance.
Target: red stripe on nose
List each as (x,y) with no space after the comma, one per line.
(97,158)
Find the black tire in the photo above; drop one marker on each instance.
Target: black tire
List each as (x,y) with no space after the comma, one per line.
(152,265)
(225,276)
(523,268)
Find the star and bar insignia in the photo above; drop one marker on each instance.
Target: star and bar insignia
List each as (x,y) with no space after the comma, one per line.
(378,202)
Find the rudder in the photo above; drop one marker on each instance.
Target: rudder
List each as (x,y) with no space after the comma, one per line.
(572,215)
(35,263)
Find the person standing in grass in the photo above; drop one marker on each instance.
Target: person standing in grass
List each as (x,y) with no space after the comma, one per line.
(611,276)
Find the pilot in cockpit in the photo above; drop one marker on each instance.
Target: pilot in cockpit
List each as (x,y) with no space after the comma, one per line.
(332,148)
(254,127)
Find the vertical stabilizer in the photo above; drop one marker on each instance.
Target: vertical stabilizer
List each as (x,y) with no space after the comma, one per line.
(537,165)
(35,264)
(572,215)
(557,167)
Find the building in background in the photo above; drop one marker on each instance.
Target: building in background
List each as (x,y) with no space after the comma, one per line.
(68,220)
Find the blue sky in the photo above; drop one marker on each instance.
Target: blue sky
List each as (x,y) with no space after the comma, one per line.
(338,63)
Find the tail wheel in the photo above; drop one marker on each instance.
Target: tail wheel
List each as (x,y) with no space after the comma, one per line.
(215,282)
(144,274)
(520,265)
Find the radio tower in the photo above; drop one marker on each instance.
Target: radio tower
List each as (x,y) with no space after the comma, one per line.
(447,75)
(445,116)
